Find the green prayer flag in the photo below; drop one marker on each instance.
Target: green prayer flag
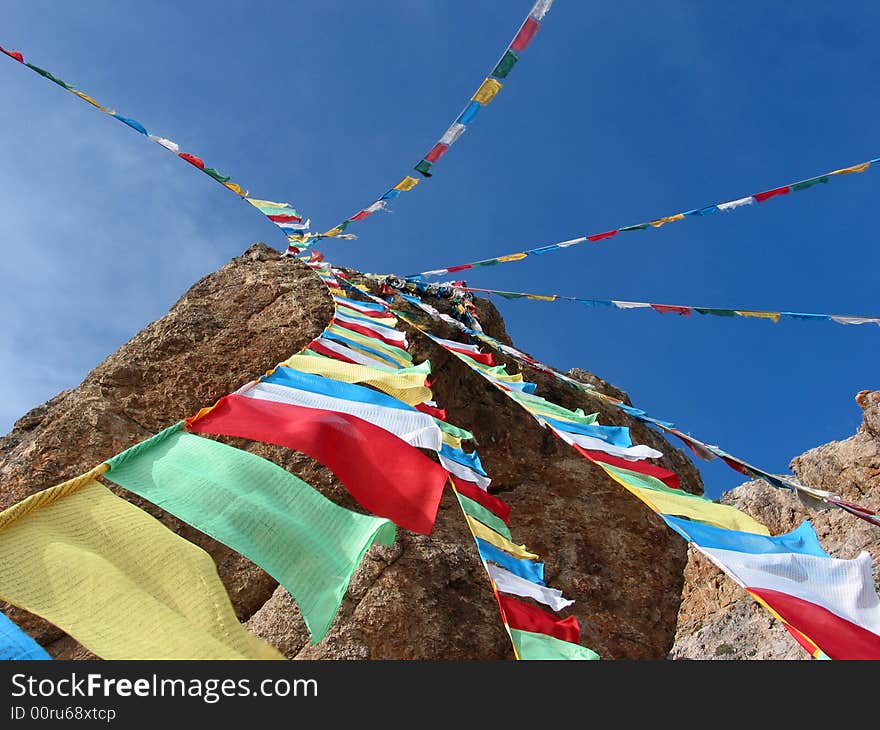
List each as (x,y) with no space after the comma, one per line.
(424,167)
(489,262)
(716,312)
(307,543)
(216,175)
(507,62)
(639,227)
(539,403)
(530,645)
(479,512)
(809,183)
(509,294)
(46,74)
(454,431)
(646,481)
(371,342)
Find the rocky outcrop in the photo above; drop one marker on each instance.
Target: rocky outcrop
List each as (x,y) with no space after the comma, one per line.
(426,596)
(717,620)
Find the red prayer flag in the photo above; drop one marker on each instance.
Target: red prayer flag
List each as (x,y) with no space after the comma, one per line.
(437,151)
(382,472)
(327,352)
(669,478)
(672,309)
(459,268)
(736,466)
(525,35)
(374,314)
(431,411)
(767,194)
(482,357)
(835,635)
(600,236)
(366,332)
(360,216)
(316,256)
(481,496)
(525,617)
(192,159)
(285,218)
(13,54)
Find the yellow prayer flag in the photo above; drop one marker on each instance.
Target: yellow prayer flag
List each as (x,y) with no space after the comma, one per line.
(405,385)
(515,378)
(663,500)
(668,219)
(236,188)
(855,168)
(116,579)
(512,257)
(408,183)
(542,297)
(266,203)
(332,232)
(86,97)
(451,440)
(763,315)
(487,91)
(695,508)
(484,533)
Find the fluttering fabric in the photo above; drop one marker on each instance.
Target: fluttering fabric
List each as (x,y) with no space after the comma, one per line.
(487,517)
(525,617)
(536,646)
(508,582)
(489,501)
(16,644)
(528,569)
(384,474)
(652,224)
(417,429)
(668,501)
(307,543)
(116,579)
(830,601)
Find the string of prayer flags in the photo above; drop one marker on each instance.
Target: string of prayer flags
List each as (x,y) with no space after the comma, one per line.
(829,606)
(15,644)
(652,224)
(702,450)
(310,545)
(681,309)
(282,215)
(482,97)
(116,579)
(510,567)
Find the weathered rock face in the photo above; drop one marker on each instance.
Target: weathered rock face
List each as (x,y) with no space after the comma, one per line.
(425,597)
(717,620)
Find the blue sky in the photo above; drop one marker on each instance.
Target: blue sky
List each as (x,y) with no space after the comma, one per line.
(617,113)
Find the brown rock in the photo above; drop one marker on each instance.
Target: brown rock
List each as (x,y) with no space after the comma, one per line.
(426,596)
